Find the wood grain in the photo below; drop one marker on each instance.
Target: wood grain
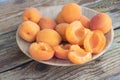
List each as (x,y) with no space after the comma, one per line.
(11,58)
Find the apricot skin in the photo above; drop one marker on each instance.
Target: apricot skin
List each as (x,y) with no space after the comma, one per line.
(47,23)
(61,29)
(28,31)
(31,14)
(49,36)
(101,22)
(71,12)
(85,21)
(41,51)
(59,18)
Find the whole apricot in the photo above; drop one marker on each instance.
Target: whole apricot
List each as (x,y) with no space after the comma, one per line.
(59,18)
(71,12)
(85,21)
(31,14)
(101,22)
(28,31)
(61,29)
(47,22)
(49,36)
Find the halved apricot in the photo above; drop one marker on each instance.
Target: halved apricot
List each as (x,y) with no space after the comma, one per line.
(75,33)
(61,51)
(41,51)
(95,42)
(78,56)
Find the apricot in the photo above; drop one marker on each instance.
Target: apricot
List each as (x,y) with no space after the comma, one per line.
(61,29)
(49,36)
(61,51)
(59,18)
(31,14)
(95,42)
(47,22)
(78,56)
(75,33)
(41,51)
(101,22)
(71,12)
(28,31)
(85,21)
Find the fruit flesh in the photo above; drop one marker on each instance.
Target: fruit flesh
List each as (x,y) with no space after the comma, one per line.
(95,42)
(61,51)
(78,56)
(41,51)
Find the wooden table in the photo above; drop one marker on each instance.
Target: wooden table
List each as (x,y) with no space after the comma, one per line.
(14,65)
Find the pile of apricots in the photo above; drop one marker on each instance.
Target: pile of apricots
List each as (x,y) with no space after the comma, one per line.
(71,36)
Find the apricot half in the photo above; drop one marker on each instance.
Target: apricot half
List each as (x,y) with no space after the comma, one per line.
(101,22)
(47,23)
(49,36)
(78,56)
(61,51)
(71,12)
(75,33)
(95,42)
(31,14)
(28,31)
(61,29)
(41,51)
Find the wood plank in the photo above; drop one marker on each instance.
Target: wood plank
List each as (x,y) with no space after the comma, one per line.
(10,54)
(101,68)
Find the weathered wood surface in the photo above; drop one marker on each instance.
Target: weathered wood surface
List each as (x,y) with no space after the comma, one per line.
(14,65)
